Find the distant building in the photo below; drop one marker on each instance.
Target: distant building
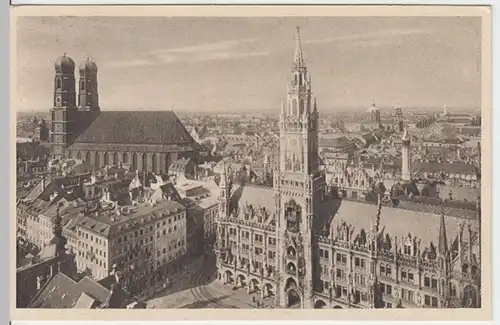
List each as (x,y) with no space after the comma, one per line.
(184,167)
(398,119)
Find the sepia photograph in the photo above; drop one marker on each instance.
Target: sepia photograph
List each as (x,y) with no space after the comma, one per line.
(267,162)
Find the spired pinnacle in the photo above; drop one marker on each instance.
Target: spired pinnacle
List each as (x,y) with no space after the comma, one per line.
(299,58)
(405,135)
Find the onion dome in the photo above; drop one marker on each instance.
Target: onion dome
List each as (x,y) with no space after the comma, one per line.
(88,65)
(65,64)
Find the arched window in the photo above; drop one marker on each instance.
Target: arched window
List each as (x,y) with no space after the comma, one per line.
(87,157)
(294,107)
(97,160)
(58,83)
(82,85)
(79,155)
(115,159)
(125,158)
(106,159)
(153,163)
(167,156)
(134,161)
(465,269)
(144,162)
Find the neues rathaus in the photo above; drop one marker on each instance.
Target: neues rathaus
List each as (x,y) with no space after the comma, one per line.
(303,244)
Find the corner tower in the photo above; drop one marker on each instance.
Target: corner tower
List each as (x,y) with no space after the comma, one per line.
(64,113)
(299,186)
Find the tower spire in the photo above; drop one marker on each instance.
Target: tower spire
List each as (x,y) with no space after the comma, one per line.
(405,136)
(443,240)
(59,240)
(299,58)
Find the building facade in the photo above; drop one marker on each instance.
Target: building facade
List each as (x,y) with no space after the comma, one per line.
(136,240)
(297,245)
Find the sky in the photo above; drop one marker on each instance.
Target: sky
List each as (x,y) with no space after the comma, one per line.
(243,64)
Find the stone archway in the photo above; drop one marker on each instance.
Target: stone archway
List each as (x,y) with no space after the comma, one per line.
(268,290)
(228,277)
(293,299)
(254,285)
(337,307)
(290,283)
(319,304)
(470,296)
(241,281)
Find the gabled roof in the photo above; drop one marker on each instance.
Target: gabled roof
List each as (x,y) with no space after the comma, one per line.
(398,222)
(137,127)
(63,292)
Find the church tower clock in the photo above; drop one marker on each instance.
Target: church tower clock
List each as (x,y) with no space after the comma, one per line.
(299,186)
(64,113)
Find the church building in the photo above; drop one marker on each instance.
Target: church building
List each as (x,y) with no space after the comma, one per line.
(147,141)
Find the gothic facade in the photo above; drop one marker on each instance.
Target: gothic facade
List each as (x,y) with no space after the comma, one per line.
(297,245)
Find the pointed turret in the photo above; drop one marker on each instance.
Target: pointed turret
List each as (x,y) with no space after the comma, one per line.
(443,240)
(379,210)
(299,57)
(223,176)
(406,156)
(405,136)
(58,240)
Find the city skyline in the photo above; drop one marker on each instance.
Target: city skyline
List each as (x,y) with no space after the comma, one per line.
(188,64)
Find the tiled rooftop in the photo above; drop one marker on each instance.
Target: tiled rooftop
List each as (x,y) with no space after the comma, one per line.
(137,127)
(108,223)
(63,292)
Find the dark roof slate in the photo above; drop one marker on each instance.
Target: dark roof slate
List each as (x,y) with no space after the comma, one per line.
(136,127)
(63,292)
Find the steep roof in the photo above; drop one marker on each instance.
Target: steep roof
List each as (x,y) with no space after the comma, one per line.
(398,222)
(136,127)
(63,292)
(449,168)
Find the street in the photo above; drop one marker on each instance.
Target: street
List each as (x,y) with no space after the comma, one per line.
(196,288)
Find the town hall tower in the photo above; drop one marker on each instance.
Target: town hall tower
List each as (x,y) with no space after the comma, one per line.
(298,187)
